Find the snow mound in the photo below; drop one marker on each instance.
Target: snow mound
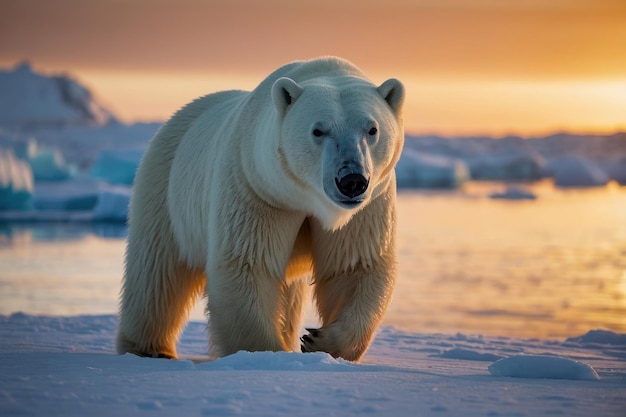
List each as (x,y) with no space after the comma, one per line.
(600,337)
(278,361)
(28,98)
(16,182)
(421,170)
(542,366)
(117,166)
(577,172)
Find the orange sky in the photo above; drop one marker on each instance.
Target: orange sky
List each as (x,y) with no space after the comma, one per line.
(470,66)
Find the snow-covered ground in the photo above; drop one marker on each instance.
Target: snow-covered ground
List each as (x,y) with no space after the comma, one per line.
(65,366)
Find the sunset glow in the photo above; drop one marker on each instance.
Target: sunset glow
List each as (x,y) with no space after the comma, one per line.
(470,67)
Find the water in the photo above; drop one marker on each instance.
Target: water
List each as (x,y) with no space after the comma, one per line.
(550,268)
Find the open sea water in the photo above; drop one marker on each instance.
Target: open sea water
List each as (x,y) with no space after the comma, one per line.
(553,267)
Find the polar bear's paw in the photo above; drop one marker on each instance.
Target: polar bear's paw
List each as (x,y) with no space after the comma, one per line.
(309,341)
(335,341)
(322,340)
(155,355)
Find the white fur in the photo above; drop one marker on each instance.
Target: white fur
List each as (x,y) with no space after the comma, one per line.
(236,196)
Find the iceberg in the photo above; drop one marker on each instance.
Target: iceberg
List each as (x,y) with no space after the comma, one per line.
(616,169)
(28,98)
(117,166)
(112,204)
(572,171)
(71,195)
(16,182)
(422,170)
(519,166)
(49,165)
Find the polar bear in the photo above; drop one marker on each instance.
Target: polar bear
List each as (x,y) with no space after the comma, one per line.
(249,196)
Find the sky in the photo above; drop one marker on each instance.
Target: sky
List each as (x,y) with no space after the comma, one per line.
(470,67)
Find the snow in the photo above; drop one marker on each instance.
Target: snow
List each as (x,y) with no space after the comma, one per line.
(16,182)
(543,366)
(66,366)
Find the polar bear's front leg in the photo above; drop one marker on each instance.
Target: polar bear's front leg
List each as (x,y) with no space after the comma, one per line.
(242,307)
(249,298)
(351,306)
(354,273)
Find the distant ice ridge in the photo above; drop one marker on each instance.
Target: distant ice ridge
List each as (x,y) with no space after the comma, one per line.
(55,126)
(572,160)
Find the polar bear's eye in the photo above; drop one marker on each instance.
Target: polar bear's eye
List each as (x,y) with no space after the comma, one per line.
(372,131)
(318,133)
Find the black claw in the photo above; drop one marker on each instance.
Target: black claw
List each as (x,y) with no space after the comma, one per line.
(314,332)
(154,355)
(306,339)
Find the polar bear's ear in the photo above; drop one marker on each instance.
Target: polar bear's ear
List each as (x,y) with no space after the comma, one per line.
(285,92)
(392,91)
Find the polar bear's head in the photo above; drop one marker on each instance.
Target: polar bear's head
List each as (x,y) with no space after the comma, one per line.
(341,138)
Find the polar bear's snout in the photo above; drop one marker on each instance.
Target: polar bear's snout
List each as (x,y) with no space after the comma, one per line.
(352,185)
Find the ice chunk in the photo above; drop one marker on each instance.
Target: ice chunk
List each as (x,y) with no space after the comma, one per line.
(542,366)
(112,203)
(117,166)
(71,195)
(521,165)
(514,193)
(421,170)
(16,182)
(49,165)
(571,171)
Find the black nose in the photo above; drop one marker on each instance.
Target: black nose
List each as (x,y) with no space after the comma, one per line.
(352,185)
